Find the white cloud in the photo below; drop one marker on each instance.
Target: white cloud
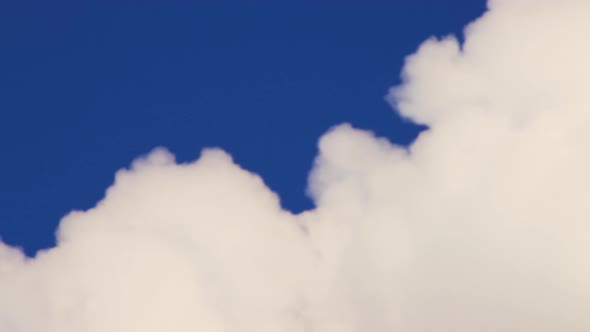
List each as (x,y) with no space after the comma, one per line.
(481,226)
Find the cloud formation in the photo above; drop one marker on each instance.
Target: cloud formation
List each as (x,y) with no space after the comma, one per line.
(481,225)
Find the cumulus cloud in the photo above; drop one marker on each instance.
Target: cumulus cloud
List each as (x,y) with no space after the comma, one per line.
(481,225)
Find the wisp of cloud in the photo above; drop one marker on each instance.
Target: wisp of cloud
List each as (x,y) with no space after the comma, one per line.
(482,224)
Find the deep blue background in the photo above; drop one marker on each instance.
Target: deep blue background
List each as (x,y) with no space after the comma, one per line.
(87,86)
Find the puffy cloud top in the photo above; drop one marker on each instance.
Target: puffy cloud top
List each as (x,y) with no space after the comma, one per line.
(481,225)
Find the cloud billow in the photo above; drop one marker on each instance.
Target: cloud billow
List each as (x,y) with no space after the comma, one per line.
(481,225)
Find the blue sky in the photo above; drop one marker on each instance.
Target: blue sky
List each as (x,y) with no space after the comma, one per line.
(88,86)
